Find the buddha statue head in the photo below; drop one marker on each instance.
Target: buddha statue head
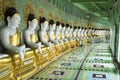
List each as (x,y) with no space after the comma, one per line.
(43,24)
(67,27)
(52,25)
(78,29)
(63,27)
(71,29)
(32,22)
(12,18)
(58,26)
(75,27)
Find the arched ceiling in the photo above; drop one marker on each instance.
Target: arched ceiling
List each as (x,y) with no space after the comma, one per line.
(97,8)
(100,8)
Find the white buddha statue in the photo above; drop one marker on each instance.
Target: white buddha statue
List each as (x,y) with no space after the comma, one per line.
(43,35)
(74,32)
(51,33)
(62,32)
(30,34)
(71,30)
(57,31)
(67,29)
(83,31)
(8,34)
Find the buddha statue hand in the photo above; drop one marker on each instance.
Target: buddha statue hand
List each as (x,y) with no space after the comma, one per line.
(50,45)
(22,51)
(39,47)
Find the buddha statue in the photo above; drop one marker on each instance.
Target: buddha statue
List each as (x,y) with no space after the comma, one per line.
(57,31)
(44,38)
(62,32)
(43,35)
(66,32)
(71,39)
(82,33)
(51,33)
(71,30)
(74,32)
(11,40)
(62,40)
(52,37)
(78,36)
(30,34)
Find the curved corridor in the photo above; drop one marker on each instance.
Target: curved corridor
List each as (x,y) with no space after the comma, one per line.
(91,62)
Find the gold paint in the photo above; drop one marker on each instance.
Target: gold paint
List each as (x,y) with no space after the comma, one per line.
(40,13)
(59,36)
(57,18)
(46,37)
(61,20)
(50,15)
(29,8)
(53,36)
(34,38)
(15,39)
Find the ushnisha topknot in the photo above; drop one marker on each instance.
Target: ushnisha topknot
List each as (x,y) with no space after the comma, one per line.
(10,11)
(42,20)
(70,26)
(31,17)
(51,22)
(63,25)
(57,23)
(67,25)
(75,27)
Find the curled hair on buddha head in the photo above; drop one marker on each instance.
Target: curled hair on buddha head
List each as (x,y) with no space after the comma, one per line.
(57,23)
(70,27)
(51,22)
(67,25)
(10,11)
(75,27)
(63,25)
(42,20)
(78,27)
(30,18)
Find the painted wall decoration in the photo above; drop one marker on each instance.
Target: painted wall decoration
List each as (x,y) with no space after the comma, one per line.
(29,8)
(59,10)
(5,4)
(40,13)
(50,16)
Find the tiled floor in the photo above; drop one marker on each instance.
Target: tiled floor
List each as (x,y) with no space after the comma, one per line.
(91,62)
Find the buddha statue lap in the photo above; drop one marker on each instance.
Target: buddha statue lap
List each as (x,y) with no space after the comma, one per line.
(5,67)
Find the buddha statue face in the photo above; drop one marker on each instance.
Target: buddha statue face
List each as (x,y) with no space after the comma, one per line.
(53,27)
(68,28)
(64,28)
(71,29)
(59,28)
(14,21)
(44,26)
(33,24)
